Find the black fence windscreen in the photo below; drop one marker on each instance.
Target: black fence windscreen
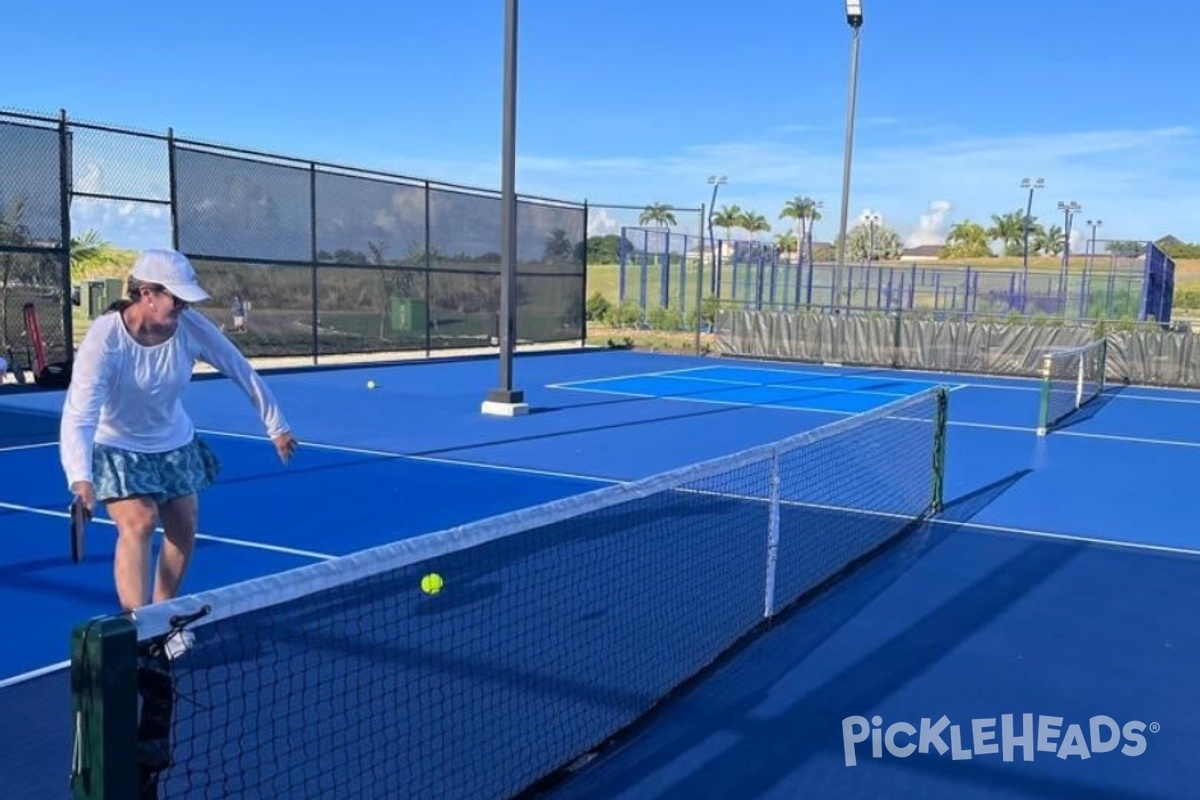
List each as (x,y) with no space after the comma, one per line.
(228,207)
(366,221)
(33,263)
(30,187)
(301,258)
(32,280)
(332,262)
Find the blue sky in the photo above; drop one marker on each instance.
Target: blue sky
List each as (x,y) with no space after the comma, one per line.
(633,102)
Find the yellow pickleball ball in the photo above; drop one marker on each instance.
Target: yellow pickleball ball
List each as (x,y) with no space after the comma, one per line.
(431,583)
(370,384)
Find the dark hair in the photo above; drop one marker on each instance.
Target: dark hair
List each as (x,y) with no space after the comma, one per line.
(133,292)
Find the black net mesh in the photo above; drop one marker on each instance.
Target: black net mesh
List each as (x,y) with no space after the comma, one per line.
(302,259)
(370,309)
(550,308)
(464,308)
(277,301)
(32,280)
(30,186)
(369,221)
(120,165)
(550,239)
(464,230)
(230,207)
(551,630)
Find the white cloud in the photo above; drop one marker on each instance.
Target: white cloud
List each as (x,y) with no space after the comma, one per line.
(601,223)
(932,225)
(1136,180)
(1142,182)
(135,226)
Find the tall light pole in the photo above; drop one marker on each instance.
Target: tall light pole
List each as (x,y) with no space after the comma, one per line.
(1031,185)
(854,17)
(872,220)
(1093,224)
(716,181)
(1068,208)
(505,400)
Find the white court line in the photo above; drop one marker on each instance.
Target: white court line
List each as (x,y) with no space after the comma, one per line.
(365,451)
(1115,438)
(14,448)
(657,374)
(710,402)
(808,372)
(1009,378)
(33,673)
(788,387)
(978,526)
(953,424)
(1107,387)
(274,548)
(1037,388)
(1112,437)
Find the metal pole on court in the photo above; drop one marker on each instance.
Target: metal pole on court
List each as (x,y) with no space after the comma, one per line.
(854,17)
(698,316)
(505,400)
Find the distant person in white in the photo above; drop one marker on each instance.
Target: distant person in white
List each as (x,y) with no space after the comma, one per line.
(126,440)
(239,313)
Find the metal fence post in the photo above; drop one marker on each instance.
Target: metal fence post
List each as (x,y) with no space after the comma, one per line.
(583,318)
(65,187)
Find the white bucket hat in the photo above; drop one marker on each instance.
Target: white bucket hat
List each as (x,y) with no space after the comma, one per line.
(173,271)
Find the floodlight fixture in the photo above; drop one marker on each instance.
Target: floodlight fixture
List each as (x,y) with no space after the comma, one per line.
(854,13)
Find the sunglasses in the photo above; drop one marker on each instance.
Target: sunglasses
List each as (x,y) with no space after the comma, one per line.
(178,303)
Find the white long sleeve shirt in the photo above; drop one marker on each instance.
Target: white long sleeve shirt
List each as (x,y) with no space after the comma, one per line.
(125,394)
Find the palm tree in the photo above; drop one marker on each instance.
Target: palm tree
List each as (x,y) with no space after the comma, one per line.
(1010,230)
(657,214)
(786,243)
(804,211)
(1049,241)
(558,247)
(729,217)
(967,239)
(753,222)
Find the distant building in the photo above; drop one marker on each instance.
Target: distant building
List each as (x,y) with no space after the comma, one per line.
(925,252)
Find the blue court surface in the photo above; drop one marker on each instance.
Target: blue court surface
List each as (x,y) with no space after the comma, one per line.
(1036,640)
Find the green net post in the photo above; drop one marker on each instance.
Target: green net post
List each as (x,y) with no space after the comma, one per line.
(104,709)
(1044,407)
(941,424)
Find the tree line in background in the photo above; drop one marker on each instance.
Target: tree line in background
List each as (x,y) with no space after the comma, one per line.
(874,240)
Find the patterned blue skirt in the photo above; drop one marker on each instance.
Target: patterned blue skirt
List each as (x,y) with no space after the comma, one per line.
(162,477)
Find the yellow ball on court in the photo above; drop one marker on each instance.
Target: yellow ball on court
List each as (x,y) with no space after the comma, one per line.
(370,384)
(431,583)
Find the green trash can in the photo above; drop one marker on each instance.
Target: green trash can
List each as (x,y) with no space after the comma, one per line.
(408,315)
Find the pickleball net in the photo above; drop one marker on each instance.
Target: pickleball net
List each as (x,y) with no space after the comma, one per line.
(1071,379)
(557,627)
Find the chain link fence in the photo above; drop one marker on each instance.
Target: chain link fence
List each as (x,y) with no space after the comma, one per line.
(302,258)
